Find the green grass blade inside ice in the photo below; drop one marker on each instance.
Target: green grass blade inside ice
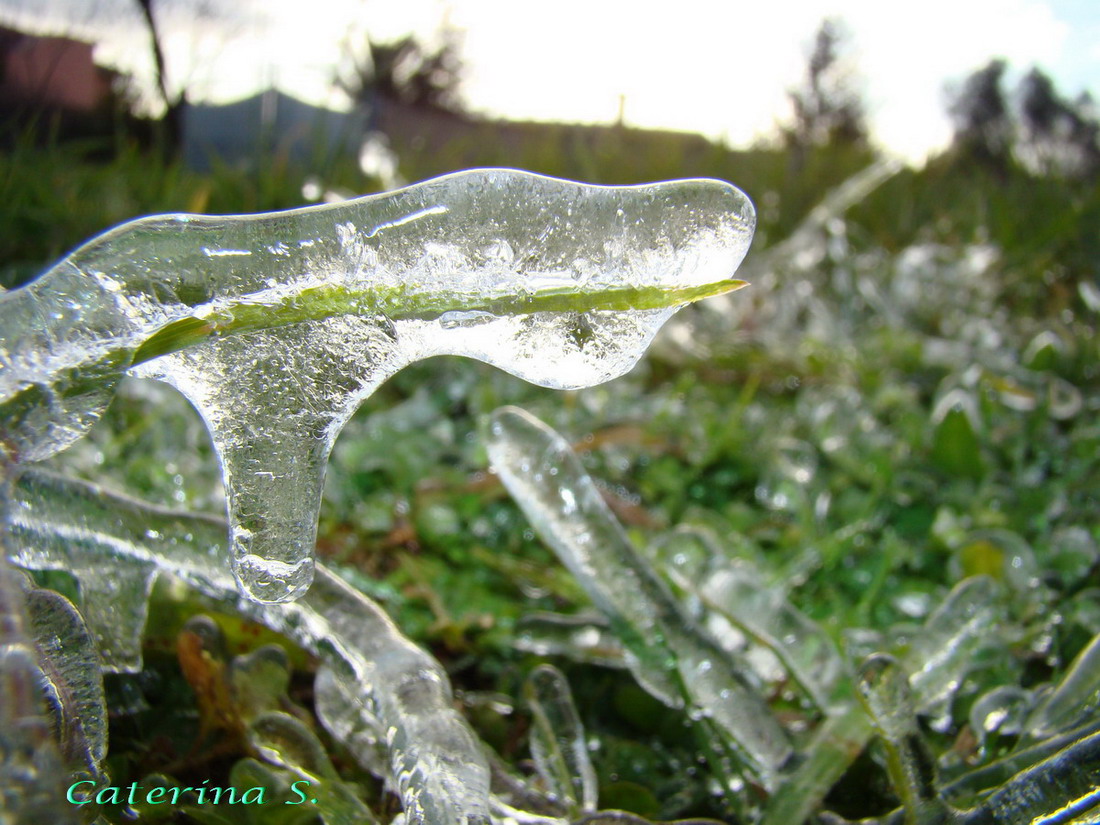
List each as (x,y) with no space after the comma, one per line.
(667,651)
(277,326)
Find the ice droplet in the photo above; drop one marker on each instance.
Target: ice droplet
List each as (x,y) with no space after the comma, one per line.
(1001,711)
(502,266)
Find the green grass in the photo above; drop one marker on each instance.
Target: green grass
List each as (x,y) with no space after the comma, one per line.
(821,460)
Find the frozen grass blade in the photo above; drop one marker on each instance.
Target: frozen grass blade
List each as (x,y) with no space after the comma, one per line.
(666,650)
(71,679)
(735,590)
(884,688)
(835,745)
(434,760)
(558,742)
(950,644)
(31,768)
(1063,789)
(277,326)
(1077,695)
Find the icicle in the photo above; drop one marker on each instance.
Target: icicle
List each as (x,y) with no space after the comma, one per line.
(277,326)
(114,609)
(435,760)
(558,741)
(668,653)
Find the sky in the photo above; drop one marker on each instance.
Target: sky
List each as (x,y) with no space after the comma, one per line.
(719,67)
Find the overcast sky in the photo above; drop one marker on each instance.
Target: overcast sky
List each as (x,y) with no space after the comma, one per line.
(720,67)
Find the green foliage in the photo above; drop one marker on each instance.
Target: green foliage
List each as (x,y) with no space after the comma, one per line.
(824,462)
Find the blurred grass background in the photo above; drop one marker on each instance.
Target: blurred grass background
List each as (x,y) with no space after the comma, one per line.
(817,442)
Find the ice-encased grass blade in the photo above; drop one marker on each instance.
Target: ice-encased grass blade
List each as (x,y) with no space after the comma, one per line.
(1002,770)
(950,645)
(337,704)
(31,767)
(884,689)
(71,679)
(1063,789)
(581,637)
(277,326)
(667,652)
(835,745)
(434,760)
(283,740)
(1073,699)
(558,742)
(735,590)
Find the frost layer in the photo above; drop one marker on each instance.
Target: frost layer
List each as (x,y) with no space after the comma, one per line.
(277,326)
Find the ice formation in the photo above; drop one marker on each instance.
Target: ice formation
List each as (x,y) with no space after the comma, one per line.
(277,326)
(559,745)
(666,650)
(372,680)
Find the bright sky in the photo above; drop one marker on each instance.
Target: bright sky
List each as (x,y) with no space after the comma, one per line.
(720,67)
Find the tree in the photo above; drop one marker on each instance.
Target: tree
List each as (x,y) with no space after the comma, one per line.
(983,121)
(171,85)
(1057,136)
(827,107)
(407,71)
(1037,127)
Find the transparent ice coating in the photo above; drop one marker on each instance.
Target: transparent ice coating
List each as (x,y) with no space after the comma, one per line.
(949,646)
(666,650)
(735,590)
(277,326)
(559,744)
(433,758)
(31,768)
(1060,790)
(71,679)
(1001,711)
(884,688)
(579,636)
(835,744)
(1074,700)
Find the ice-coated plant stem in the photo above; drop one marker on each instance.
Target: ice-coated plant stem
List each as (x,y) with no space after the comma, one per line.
(277,326)
(435,761)
(668,653)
